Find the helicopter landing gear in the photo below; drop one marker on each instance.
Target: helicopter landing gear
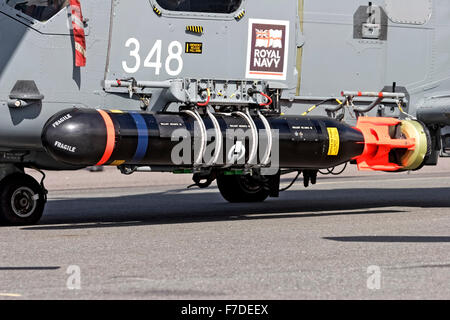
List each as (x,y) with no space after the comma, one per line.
(241,189)
(248,188)
(22,200)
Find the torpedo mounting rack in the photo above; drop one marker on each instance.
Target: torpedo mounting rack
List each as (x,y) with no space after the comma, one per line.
(222,94)
(199,110)
(392,98)
(397,97)
(202,99)
(365,101)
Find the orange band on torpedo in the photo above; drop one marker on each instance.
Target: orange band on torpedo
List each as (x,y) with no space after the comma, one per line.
(110,137)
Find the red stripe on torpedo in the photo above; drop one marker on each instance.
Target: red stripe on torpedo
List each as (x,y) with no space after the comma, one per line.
(110,137)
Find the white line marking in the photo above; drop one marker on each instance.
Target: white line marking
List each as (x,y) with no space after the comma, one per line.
(378,181)
(13,295)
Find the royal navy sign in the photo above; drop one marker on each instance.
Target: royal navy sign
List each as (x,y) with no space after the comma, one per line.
(268,48)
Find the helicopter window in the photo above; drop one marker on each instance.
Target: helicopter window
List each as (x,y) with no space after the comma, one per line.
(41,10)
(210,6)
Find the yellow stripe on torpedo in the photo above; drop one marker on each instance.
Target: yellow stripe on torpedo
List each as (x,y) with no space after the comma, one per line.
(333,134)
(117,163)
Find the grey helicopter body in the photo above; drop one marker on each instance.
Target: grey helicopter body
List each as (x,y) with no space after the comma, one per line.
(314,71)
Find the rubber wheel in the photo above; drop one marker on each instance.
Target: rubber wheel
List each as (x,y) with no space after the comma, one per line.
(241,189)
(22,200)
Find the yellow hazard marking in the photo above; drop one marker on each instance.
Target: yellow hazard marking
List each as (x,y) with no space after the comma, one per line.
(194,29)
(333,135)
(309,110)
(157,11)
(116,111)
(240,15)
(117,163)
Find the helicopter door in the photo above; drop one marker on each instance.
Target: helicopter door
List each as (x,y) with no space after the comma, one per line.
(157,40)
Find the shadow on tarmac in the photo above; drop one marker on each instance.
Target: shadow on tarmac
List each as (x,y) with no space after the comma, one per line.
(175,207)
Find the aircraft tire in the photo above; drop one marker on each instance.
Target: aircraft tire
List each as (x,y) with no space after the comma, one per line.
(237,189)
(22,200)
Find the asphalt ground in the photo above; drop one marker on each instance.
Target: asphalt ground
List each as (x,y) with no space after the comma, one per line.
(145,236)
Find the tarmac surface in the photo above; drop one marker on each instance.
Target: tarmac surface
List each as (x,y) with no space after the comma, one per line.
(145,236)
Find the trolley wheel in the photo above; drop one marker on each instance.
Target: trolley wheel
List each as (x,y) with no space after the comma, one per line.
(244,188)
(22,200)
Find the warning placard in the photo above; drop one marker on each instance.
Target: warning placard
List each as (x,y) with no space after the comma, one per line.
(194,47)
(333,135)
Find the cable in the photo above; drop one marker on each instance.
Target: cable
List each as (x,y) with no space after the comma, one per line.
(340,172)
(269,99)
(292,183)
(266,158)
(204,104)
(399,104)
(331,170)
(252,91)
(320,103)
(325,173)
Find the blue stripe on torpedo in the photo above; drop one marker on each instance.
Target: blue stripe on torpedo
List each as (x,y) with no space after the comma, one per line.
(142,129)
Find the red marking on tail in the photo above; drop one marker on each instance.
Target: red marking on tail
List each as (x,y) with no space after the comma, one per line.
(378,144)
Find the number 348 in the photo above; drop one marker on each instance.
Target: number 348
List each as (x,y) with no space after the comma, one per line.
(173,64)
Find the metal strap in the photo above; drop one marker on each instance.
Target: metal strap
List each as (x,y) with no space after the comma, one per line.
(266,158)
(254,143)
(203,136)
(219,138)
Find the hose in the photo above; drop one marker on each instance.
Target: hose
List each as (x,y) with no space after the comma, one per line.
(292,183)
(269,99)
(331,170)
(320,103)
(204,104)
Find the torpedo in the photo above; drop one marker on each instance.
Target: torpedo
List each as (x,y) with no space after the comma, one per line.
(103,137)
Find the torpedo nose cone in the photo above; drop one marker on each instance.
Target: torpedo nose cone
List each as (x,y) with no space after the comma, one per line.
(75,136)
